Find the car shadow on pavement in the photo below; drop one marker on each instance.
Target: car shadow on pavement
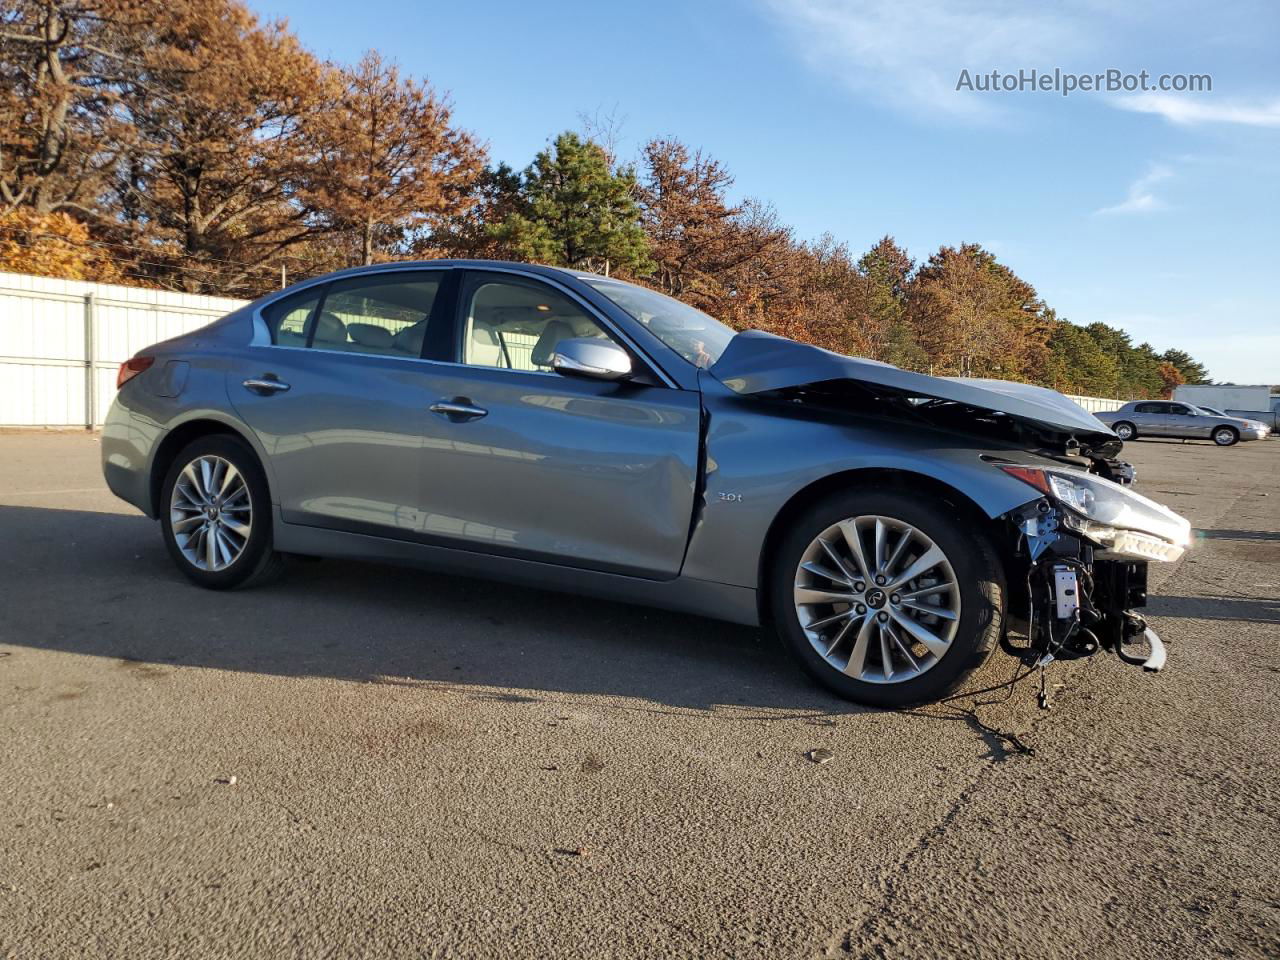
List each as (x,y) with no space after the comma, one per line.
(1240,534)
(101,584)
(1255,610)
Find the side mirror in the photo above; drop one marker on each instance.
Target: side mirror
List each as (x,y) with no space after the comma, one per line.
(592,357)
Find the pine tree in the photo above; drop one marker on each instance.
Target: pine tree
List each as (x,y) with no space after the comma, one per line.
(580,213)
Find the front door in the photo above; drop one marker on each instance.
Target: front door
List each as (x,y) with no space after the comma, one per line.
(1183,422)
(522,461)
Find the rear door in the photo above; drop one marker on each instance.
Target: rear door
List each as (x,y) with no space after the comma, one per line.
(338,397)
(567,470)
(1150,419)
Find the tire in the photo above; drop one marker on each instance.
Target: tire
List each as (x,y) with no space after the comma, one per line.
(252,559)
(969,565)
(1125,430)
(1225,436)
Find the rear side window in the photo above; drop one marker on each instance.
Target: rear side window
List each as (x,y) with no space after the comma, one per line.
(289,319)
(1149,408)
(384,314)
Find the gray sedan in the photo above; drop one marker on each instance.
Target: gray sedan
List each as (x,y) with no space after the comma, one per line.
(1169,418)
(574,432)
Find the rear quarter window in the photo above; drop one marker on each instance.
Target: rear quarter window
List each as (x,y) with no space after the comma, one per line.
(289,320)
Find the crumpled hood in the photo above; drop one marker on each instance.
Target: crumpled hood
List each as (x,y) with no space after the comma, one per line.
(756,362)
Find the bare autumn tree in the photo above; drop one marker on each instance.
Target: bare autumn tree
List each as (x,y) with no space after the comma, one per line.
(474,230)
(737,260)
(830,302)
(210,173)
(694,240)
(763,285)
(59,63)
(886,270)
(388,160)
(975,317)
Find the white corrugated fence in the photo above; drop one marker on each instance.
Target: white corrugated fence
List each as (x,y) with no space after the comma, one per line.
(1097,404)
(61,342)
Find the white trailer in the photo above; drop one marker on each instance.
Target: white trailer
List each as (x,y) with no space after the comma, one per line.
(1252,402)
(1215,395)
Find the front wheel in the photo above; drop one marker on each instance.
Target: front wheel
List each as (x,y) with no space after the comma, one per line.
(1225,436)
(887,599)
(216,514)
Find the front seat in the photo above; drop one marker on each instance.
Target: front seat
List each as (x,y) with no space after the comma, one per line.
(545,348)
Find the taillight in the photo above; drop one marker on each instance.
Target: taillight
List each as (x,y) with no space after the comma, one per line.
(131,368)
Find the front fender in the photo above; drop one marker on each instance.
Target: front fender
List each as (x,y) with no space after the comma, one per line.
(761,456)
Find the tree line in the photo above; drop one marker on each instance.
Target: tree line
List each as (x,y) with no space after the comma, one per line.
(192,146)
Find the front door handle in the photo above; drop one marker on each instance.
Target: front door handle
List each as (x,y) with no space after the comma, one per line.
(458,410)
(265,384)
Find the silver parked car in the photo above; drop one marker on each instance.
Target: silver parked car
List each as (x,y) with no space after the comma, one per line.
(1171,418)
(570,431)
(1256,425)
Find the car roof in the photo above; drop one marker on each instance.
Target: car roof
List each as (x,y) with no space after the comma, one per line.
(533,268)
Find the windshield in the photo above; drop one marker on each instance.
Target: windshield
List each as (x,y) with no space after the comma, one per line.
(696,336)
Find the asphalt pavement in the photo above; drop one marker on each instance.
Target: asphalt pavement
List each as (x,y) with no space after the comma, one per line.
(374,761)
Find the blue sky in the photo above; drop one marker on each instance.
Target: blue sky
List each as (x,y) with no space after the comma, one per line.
(1157,213)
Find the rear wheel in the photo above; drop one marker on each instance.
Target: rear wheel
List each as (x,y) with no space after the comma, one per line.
(1225,436)
(1125,430)
(216,514)
(885,598)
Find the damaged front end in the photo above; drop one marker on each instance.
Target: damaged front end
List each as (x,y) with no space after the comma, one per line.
(1083,544)
(1086,544)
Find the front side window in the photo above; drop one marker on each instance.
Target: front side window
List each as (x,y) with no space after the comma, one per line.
(515,325)
(696,336)
(382,314)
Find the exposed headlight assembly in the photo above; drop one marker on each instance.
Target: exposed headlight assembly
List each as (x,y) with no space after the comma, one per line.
(1120,521)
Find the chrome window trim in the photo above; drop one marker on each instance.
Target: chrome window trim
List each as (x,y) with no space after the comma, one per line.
(262,336)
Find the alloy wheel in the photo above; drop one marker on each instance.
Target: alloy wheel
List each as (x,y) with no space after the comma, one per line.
(877,599)
(211,513)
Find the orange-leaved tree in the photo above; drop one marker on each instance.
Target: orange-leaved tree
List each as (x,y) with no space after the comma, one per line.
(388,160)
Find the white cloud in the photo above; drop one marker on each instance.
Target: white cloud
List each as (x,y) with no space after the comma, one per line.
(1141,198)
(1188,111)
(909,55)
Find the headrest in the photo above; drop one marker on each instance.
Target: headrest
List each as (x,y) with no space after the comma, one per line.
(409,340)
(370,335)
(552,333)
(330,328)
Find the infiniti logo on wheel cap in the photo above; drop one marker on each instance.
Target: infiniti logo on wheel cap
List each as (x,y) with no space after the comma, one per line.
(875,599)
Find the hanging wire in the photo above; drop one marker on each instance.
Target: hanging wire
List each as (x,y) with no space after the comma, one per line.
(202,270)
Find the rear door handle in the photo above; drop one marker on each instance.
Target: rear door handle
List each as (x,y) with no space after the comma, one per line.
(458,410)
(265,385)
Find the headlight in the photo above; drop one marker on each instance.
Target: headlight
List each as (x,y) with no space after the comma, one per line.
(1110,515)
